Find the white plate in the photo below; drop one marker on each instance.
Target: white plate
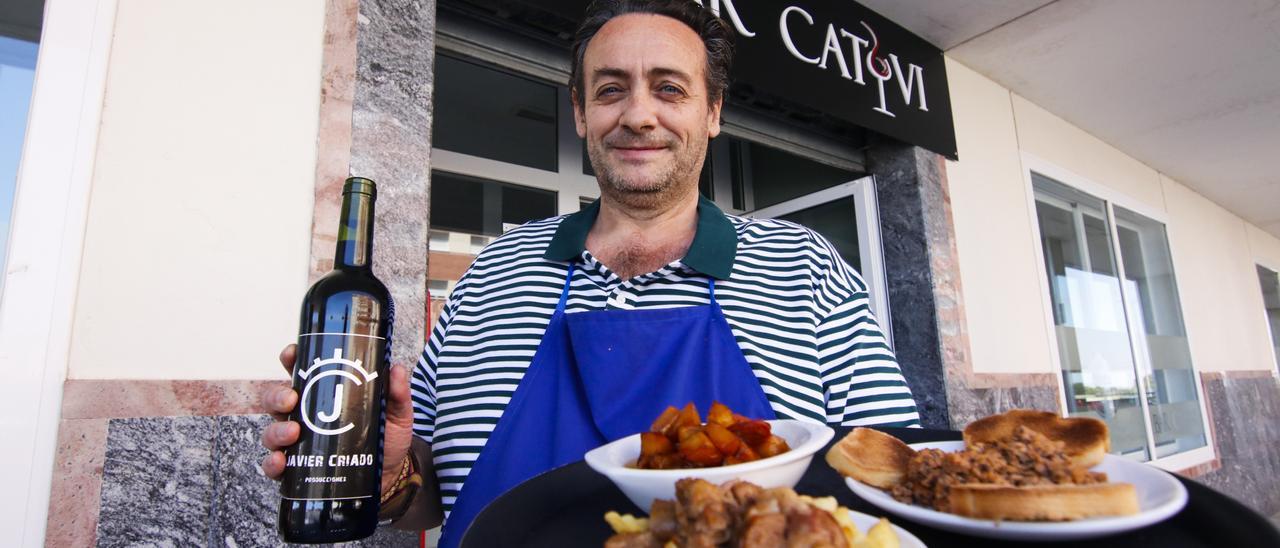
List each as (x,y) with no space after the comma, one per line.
(905,538)
(1160,495)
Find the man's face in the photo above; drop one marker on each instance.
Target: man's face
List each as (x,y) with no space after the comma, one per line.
(644,111)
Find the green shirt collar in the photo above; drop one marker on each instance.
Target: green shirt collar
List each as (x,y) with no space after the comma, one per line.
(715,244)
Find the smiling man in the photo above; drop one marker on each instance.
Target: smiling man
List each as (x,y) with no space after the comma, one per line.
(573,331)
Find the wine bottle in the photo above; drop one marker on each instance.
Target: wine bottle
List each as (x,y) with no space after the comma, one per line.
(332,476)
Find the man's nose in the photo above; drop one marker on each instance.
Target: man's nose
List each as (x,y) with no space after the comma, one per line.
(640,114)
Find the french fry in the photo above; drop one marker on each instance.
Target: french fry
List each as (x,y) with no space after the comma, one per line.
(880,535)
(626,523)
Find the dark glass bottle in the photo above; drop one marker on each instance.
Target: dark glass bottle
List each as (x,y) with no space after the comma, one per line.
(332,478)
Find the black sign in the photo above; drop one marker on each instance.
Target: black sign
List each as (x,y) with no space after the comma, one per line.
(838,57)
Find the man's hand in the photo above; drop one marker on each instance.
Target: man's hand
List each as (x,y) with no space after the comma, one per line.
(280,401)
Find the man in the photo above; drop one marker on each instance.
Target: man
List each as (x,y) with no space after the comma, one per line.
(573,331)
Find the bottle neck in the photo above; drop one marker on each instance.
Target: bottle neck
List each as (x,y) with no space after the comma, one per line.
(355,232)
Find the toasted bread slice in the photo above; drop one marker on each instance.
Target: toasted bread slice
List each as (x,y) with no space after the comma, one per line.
(871,457)
(1086,439)
(1043,502)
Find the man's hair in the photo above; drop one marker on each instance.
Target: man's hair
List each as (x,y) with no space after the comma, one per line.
(717,38)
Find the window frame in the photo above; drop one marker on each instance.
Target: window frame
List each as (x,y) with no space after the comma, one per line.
(1274,267)
(870,245)
(1113,198)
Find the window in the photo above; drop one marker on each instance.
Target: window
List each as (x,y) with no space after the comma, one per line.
(1270,282)
(475,103)
(1121,342)
(482,186)
(17,74)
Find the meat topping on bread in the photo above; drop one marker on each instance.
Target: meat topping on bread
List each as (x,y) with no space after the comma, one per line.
(1026,458)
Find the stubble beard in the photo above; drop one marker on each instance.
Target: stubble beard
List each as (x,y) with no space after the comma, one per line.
(668,186)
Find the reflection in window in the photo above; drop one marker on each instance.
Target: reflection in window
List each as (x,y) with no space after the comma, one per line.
(1161,342)
(1116,333)
(467,213)
(1093,345)
(771,176)
(837,221)
(17,74)
(1270,282)
(492,114)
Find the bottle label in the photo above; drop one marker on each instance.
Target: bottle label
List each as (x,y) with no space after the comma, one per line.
(340,385)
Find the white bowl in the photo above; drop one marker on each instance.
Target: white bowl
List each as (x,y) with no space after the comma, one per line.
(643,486)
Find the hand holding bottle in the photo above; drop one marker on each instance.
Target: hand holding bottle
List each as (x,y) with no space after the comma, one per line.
(281,400)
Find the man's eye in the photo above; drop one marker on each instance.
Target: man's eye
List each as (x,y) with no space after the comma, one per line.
(671,89)
(608,90)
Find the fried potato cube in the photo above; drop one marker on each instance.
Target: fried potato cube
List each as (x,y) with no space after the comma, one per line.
(668,461)
(744,454)
(686,431)
(720,414)
(699,451)
(654,443)
(754,432)
(771,446)
(666,422)
(724,440)
(688,417)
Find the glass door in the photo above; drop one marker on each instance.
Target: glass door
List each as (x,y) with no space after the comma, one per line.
(848,217)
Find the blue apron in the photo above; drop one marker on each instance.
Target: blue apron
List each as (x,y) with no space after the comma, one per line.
(601,376)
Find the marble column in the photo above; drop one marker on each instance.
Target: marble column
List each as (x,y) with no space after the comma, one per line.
(918,240)
(391,144)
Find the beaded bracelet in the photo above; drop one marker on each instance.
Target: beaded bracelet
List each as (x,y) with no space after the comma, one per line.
(397,500)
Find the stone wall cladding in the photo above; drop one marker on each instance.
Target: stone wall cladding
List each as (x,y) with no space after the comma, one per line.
(1244,410)
(194,481)
(391,144)
(907,181)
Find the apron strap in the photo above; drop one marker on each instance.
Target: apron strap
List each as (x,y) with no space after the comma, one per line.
(711,289)
(564,294)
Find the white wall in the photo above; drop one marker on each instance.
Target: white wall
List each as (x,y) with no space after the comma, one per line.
(1222,301)
(994,237)
(197,241)
(1213,249)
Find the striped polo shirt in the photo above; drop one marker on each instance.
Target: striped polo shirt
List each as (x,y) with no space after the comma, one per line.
(799,313)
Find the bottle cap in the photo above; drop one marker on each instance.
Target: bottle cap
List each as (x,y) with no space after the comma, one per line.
(360,185)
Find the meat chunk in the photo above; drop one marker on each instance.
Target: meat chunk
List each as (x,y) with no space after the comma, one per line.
(662,519)
(704,518)
(765,531)
(813,528)
(737,514)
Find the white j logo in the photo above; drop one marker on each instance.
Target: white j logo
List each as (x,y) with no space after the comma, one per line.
(338,391)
